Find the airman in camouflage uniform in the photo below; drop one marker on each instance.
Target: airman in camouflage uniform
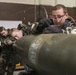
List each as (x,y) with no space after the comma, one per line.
(17,34)
(7,53)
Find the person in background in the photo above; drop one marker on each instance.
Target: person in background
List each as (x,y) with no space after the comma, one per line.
(57,23)
(7,53)
(20,31)
(17,34)
(4,32)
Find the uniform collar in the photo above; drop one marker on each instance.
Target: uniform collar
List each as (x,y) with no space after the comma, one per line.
(66,24)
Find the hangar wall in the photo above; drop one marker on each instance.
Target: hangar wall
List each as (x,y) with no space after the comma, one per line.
(32,10)
(68,3)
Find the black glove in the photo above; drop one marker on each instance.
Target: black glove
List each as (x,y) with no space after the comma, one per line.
(52,29)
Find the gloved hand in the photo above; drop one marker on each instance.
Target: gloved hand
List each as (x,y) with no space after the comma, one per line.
(52,29)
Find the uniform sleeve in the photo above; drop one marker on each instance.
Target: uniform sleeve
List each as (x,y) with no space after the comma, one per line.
(43,24)
(24,28)
(52,29)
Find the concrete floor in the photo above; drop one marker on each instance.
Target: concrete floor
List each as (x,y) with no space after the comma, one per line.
(17,72)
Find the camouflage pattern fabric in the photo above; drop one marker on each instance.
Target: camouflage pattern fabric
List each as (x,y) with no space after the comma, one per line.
(7,57)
